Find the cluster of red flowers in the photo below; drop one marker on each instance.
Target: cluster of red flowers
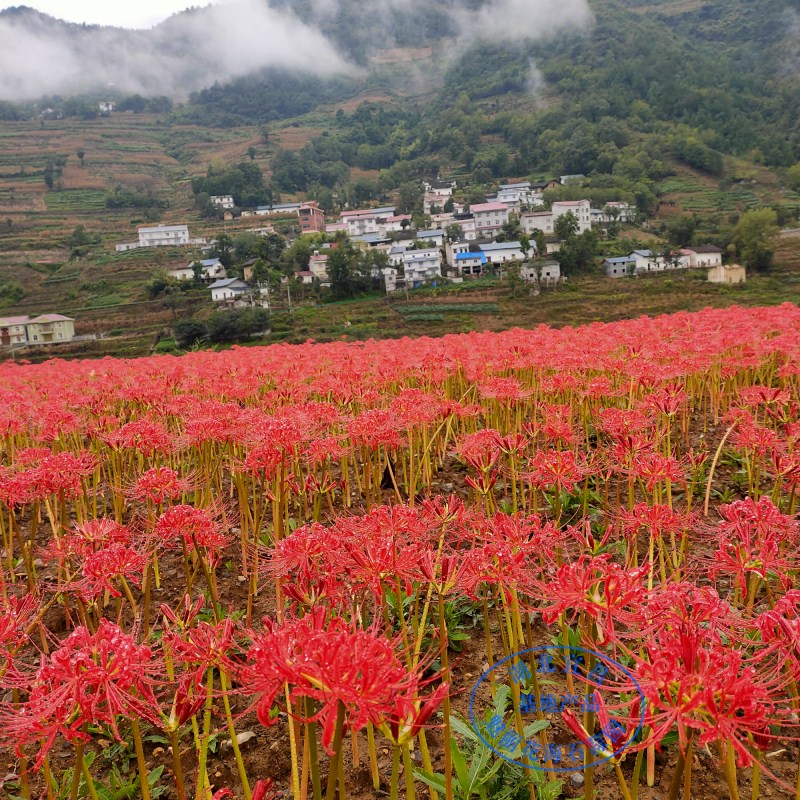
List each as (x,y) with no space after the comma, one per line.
(630,488)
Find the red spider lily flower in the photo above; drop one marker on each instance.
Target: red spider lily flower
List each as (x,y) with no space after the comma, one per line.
(331,662)
(195,526)
(751,540)
(17,614)
(668,400)
(92,679)
(658,519)
(204,646)
(704,687)
(190,611)
(159,484)
(761,519)
(653,468)
(504,390)
(480,450)
(555,469)
(753,396)
(597,586)
(415,408)
(557,425)
(99,533)
(376,428)
(264,790)
(577,729)
(144,435)
(494,564)
(310,559)
(755,438)
(382,547)
(410,713)
(186,702)
(780,631)
(58,474)
(102,569)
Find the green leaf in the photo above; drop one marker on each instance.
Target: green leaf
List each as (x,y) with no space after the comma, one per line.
(535,727)
(435,781)
(155,774)
(463,729)
(459,763)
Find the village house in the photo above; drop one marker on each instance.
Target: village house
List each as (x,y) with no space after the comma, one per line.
(420,266)
(390,279)
(468,225)
(503,252)
(229,289)
(311,218)
(727,273)
(531,221)
(442,220)
(580,209)
(615,210)
(396,254)
(305,276)
(703,256)
(13,331)
(318,265)
(394,224)
(106,107)
(547,273)
(470,262)
(336,227)
(432,238)
(647,261)
(161,236)
(489,217)
(247,269)
(373,241)
(454,249)
(49,328)
(516,195)
(211,269)
(619,267)
(436,194)
(366,220)
(276,210)
(222,201)
(44,329)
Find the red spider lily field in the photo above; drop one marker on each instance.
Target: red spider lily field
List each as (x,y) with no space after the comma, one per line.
(522,565)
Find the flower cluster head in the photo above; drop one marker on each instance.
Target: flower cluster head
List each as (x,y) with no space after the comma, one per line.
(91,679)
(334,663)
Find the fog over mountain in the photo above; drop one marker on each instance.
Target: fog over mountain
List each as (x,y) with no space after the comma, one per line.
(199,47)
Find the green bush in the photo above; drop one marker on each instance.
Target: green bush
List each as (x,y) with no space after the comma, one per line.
(188,332)
(236,325)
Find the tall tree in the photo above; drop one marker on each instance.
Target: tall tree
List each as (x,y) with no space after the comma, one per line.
(754,238)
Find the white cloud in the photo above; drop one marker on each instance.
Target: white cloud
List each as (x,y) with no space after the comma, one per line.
(185,53)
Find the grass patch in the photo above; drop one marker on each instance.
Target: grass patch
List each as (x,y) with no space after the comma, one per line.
(75,200)
(448,308)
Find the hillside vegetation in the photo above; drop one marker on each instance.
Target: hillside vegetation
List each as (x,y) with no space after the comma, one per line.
(689,109)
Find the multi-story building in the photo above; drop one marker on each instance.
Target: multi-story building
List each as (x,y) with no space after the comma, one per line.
(224,201)
(489,217)
(164,236)
(311,218)
(44,329)
(580,209)
(366,220)
(13,331)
